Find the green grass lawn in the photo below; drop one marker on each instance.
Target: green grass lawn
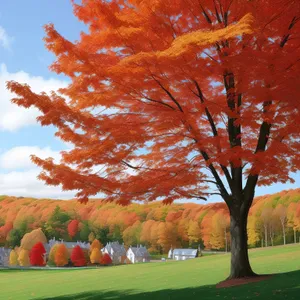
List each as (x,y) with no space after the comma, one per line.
(193,279)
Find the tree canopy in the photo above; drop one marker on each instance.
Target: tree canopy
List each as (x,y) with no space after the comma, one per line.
(177,93)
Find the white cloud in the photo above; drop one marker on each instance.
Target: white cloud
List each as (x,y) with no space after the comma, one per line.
(26,184)
(5,39)
(19,157)
(19,174)
(13,117)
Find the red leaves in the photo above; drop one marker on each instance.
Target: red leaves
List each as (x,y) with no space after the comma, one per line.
(37,255)
(73,228)
(106,260)
(77,257)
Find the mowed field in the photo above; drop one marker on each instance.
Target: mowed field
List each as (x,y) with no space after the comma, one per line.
(193,279)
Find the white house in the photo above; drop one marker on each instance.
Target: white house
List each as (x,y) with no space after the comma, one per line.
(183,254)
(116,251)
(138,254)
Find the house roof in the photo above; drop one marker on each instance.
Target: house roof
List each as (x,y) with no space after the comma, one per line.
(185,252)
(69,245)
(117,248)
(140,251)
(4,251)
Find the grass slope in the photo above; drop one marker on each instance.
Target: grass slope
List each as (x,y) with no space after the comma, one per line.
(193,279)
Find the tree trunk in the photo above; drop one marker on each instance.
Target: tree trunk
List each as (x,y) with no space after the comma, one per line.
(295,236)
(283,231)
(271,235)
(240,266)
(266,235)
(262,243)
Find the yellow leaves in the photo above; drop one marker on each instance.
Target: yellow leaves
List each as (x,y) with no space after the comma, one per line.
(13,258)
(24,258)
(202,38)
(95,256)
(199,38)
(96,245)
(30,239)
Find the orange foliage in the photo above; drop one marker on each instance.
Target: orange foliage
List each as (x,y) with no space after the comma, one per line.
(139,110)
(61,255)
(96,245)
(73,228)
(148,77)
(183,218)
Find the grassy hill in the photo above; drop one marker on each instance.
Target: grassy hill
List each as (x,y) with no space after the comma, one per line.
(194,279)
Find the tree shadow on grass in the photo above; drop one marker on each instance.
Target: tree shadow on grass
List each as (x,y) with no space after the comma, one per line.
(280,286)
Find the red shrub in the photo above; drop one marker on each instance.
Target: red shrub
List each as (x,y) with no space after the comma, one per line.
(77,257)
(106,260)
(73,228)
(37,255)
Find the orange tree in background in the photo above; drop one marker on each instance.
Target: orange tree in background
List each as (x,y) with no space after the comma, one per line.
(95,256)
(176,100)
(51,257)
(73,228)
(61,255)
(96,244)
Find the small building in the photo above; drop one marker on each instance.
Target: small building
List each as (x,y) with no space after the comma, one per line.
(138,254)
(116,251)
(4,257)
(183,254)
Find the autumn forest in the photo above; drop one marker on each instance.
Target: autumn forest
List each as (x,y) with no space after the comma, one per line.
(273,220)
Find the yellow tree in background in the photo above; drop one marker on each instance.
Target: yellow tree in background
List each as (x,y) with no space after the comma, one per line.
(24,258)
(13,258)
(32,238)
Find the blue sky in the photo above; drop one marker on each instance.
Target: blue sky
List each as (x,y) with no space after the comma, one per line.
(23,57)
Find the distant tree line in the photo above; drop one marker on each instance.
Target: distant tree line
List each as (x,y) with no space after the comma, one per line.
(273,220)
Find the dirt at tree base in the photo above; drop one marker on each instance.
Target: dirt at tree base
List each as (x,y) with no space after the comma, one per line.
(240,281)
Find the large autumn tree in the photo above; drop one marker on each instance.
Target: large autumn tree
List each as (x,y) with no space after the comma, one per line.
(176,99)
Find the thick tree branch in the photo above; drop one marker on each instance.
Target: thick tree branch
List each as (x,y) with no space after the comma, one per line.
(234,103)
(263,138)
(214,129)
(220,184)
